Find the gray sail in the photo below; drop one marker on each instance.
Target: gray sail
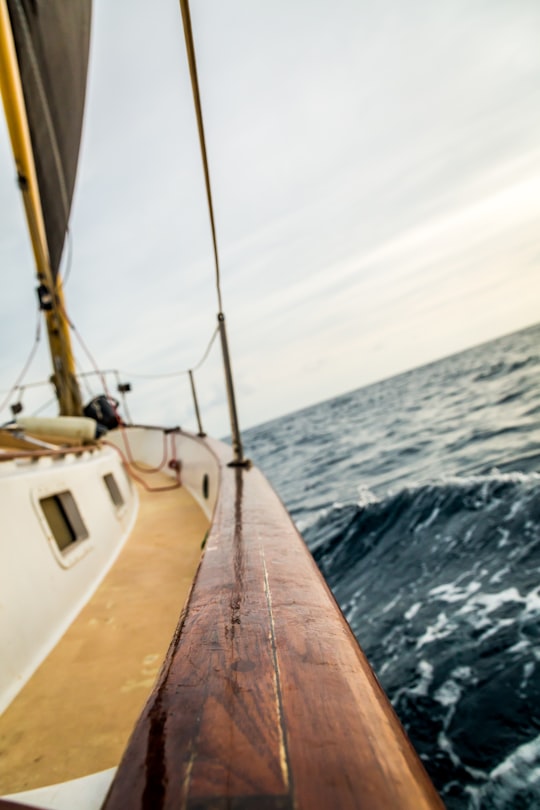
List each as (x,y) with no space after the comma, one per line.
(52,39)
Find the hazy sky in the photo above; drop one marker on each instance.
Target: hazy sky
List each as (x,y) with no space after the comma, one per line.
(376,179)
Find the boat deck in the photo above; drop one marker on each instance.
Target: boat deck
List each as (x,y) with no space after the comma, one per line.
(61,726)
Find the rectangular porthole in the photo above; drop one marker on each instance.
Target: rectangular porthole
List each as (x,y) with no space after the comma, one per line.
(113,489)
(64,519)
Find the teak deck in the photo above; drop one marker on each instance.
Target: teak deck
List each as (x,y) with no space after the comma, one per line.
(75,715)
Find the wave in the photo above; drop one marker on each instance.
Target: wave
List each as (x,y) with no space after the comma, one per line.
(446,506)
(439,582)
(504,367)
(515,782)
(528,462)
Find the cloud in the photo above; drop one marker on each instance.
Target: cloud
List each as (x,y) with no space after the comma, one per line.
(375,175)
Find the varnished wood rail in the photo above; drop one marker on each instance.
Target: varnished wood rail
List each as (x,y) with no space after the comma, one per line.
(265,699)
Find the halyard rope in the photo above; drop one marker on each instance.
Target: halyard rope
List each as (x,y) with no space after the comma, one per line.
(17,385)
(186,17)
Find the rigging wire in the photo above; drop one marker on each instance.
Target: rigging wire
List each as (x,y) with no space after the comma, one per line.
(184,5)
(87,351)
(102,372)
(174,464)
(112,401)
(29,385)
(169,375)
(44,406)
(190,48)
(83,377)
(188,35)
(207,352)
(26,366)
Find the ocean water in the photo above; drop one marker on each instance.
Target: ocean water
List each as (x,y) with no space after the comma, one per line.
(419,498)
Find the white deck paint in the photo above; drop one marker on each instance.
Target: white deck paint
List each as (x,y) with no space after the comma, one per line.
(41,588)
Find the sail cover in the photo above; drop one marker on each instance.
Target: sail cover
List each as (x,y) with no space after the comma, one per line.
(52,39)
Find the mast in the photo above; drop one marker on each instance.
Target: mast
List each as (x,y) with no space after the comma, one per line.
(49,283)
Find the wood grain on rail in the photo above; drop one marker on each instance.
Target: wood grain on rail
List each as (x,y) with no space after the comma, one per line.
(265,699)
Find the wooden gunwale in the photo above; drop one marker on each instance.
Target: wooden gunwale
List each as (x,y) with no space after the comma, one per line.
(265,698)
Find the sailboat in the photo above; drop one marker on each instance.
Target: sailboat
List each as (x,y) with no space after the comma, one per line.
(167,639)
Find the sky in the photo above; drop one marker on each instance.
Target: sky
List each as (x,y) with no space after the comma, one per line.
(376,179)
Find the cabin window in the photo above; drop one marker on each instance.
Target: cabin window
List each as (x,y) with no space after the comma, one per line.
(64,519)
(205,486)
(113,489)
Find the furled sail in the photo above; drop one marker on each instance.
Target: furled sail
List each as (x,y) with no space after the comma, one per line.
(52,39)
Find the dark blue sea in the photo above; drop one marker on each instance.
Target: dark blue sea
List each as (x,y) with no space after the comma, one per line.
(419,498)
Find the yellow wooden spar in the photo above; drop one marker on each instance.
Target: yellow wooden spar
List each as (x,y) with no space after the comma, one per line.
(67,388)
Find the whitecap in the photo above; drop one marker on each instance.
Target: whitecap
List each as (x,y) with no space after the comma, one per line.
(412,611)
(489,602)
(499,575)
(479,607)
(392,603)
(528,670)
(494,629)
(450,592)
(440,629)
(462,673)
(429,520)
(425,670)
(532,601)
(366,497)
(519,646)
(449,693)
(505,535)
(445,744)
(519,762)
(514,509)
